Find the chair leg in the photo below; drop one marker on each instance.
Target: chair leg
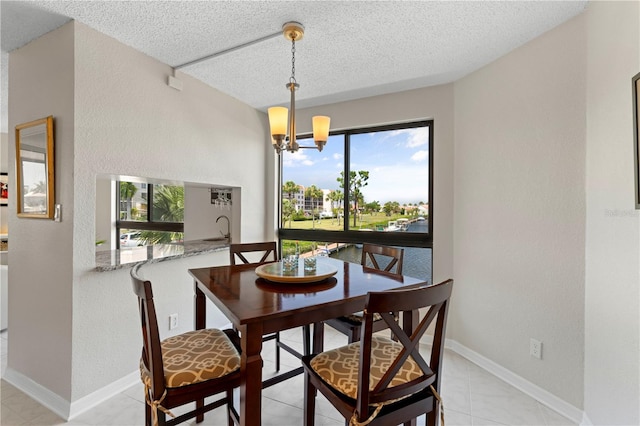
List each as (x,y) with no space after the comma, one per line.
(148,421)
(278,351)
(306,340)
(354,334)
(230,407)
(162,418)
(199,404)
(309,402)
(431,418)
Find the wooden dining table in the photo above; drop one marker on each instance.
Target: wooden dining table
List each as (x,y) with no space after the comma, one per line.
(256,307)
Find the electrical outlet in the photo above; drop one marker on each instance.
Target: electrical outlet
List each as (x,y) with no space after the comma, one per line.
(535,348)
(173,321)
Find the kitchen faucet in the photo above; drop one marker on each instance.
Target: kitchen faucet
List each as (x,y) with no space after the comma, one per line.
(228,234)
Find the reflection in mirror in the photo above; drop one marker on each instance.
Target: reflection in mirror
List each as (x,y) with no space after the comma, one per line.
(34,169)
(135,211)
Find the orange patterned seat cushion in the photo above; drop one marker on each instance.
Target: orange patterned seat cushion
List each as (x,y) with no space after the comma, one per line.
(358,317)
(194,357)
(339,367)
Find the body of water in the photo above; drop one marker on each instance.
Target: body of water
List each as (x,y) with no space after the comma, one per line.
(417,261)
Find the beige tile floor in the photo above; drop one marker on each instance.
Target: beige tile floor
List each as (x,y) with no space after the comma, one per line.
(471,396)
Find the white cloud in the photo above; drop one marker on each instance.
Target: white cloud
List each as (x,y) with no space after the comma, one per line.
(297,159)
(420,155)
(337,156)
(415,137)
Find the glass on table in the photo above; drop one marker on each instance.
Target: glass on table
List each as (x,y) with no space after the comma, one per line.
(290,260)
(310,264)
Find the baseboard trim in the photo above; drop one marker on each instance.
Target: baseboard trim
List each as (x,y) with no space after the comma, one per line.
(44,396)
(536,392)
(98,397)
(61,406)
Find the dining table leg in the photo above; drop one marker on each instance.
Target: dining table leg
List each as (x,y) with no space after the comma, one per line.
(251,372)
(200,309)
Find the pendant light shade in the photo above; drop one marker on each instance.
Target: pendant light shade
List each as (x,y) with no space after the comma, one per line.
(278,117)
(320,130)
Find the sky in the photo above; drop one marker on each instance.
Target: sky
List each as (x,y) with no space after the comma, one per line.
(397,161)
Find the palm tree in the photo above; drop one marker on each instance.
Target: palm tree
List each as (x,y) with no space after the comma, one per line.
(168,206)
(315,194)
(40,187)
(357,180)
(336,197)
(288,209)
(127,191)
(290,188)
(168,203)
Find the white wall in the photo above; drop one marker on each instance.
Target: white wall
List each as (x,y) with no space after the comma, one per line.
(519,219)
(115,115)
(41,274)
(194,135)
(429,103)
(612,312)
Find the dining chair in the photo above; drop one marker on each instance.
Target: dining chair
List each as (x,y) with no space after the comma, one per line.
(383,258)
(247,253)
(380,381)
(185,368)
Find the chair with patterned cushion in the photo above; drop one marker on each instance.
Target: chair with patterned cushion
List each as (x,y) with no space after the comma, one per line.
(259,253)
(185,368)
(380,381)
(383,258)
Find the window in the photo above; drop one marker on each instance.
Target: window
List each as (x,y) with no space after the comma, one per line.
(367,185)
(142,223)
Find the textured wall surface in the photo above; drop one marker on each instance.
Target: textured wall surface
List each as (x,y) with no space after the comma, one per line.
(129,122)
(612,333)
(519,227)
(41,276)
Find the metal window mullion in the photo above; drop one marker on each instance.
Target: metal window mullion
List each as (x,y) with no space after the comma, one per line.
(347,180)
(149,202)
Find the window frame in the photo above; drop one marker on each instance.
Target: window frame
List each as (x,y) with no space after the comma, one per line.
(407,239)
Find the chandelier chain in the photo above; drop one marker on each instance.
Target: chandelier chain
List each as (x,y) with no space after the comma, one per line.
(293,61)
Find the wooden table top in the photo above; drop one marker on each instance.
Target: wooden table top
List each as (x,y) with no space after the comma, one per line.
(245,298)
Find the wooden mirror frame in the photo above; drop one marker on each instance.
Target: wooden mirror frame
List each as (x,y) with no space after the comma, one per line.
(41,152)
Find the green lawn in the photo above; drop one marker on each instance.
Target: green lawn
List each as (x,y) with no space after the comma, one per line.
(366,221)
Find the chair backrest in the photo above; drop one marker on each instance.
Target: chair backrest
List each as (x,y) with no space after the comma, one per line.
(434,297)
(372,254)
(151,352)
(267,249)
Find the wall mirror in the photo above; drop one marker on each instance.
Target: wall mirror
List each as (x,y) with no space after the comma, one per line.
(34,169)
(134,211)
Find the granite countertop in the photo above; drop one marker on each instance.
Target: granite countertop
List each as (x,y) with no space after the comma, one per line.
(127,257)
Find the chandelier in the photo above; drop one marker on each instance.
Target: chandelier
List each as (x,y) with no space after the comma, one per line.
(281,119)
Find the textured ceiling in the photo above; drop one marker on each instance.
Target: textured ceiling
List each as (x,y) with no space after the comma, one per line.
(351,49)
